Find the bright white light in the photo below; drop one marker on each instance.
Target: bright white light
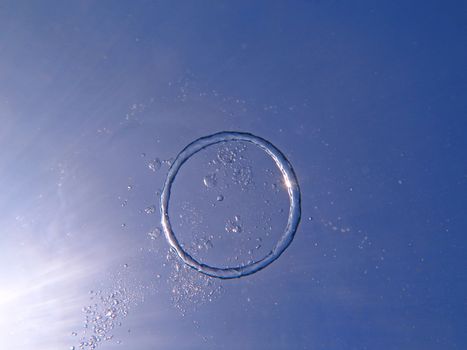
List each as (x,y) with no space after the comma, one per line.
(287,182)
(37,300)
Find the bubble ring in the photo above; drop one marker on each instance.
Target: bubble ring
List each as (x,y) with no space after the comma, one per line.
(290,181)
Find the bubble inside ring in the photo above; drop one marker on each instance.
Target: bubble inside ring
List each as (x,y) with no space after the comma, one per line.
(290,182)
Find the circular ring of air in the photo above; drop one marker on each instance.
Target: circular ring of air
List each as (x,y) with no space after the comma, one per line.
(290,182)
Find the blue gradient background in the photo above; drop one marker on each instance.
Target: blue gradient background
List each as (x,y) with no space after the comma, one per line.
(367,99)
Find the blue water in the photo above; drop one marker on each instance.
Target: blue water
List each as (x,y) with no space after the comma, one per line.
(367,101)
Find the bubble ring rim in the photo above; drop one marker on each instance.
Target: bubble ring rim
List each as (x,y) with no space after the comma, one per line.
(290,180)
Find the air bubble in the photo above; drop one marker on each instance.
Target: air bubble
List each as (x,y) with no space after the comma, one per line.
(155,164)
(233,226)
(155,233)
(168,162)
(220,198)
(226,155)
(289,178)
(210,180)
(102,316)
(242,176)
(110,313)
(150,210)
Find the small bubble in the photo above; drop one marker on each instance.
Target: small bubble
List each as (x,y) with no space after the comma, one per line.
(220,198)
(111,313)
(155,164)
(168,162)
(143,155)
(150,210)
(210,180)
(125,265)
(208,244)
(74,334)
(129,187)
(242,176)
(226,155)
(233,226)
(155,233)
(123,225)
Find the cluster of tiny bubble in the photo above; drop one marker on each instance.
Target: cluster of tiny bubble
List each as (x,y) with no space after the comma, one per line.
(242,176)
(155,233)
(190,288)
(134,110)
(234,225)
(102,317)
(150,209)
(202,243)
(155,164)
(191,216)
